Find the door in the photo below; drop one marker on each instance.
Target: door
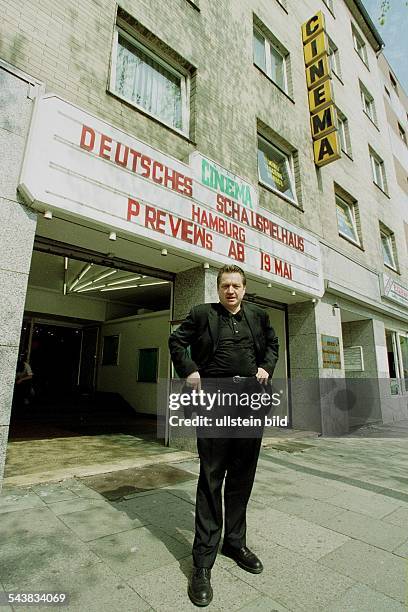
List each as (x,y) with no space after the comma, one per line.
(89,352)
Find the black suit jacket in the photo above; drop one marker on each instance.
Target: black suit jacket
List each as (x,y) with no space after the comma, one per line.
(200,332)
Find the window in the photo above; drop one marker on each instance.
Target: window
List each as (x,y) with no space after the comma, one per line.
(395,365)
(388,247)
(275,169)
(329,4)
(368,103)
(360,45)
(334,58)
(110,350)
(378,169)
(387,91)
(270,59)
(145,80)
(344,133)
(147,365)
(402,133)
(346,219)
(394,83)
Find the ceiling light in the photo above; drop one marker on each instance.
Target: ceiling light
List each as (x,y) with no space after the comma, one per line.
(164,252)
(112,236)
(85,270)
(118,288)
(293,293)
(104,275)
(65,263)
(269,285)
(47,214)
(125,280)
(206,266)
(90,288)
(156,283)
(83,286)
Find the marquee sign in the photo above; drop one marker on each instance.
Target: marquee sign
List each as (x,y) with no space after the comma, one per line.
(81,165)
(321,103)
(394,291)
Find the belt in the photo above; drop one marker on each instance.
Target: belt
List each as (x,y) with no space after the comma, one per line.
(241,379)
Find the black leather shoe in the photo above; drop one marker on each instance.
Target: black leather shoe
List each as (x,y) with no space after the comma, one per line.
(199,588)
(244,557)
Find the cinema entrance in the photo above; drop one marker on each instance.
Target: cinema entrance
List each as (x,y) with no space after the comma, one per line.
(94,344)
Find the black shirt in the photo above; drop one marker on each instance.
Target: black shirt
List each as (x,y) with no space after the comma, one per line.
(235,353)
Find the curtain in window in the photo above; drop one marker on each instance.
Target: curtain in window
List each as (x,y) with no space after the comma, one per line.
(142,80)
(274,168)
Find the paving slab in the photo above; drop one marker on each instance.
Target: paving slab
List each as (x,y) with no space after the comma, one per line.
(53,492)
(75,505)
(365,502)
(295,534)
(175,519)
(263,604)
(376,568)
(23,499)
(398,517)
(95,588)
(35,546)
(402,551)
(298,583)
(361,598)
(367,529)
(135,552)
(165,589)
(312,510)
(99,521)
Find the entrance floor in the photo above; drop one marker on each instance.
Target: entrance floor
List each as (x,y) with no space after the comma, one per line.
(36,461)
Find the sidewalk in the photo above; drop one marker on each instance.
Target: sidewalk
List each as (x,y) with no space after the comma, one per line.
(328,517)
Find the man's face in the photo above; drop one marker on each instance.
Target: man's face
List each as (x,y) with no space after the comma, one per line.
(231,290)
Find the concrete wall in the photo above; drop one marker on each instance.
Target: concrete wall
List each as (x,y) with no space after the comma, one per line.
(142,331)
(16,237)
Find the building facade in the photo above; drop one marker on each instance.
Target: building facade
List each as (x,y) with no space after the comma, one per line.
(145,147)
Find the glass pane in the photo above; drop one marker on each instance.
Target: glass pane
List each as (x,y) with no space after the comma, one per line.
(345,220)
(274,168)
(387,250)
(392,362)
(142,80)
(404,356)
(277,68)
(342,136)
(259,50)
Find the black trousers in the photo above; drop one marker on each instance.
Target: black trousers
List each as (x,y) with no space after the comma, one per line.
(235,460)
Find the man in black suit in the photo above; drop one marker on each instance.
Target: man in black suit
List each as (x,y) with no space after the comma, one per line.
(235,344)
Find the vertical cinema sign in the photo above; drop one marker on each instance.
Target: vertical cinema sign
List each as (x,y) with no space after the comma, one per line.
(321,104)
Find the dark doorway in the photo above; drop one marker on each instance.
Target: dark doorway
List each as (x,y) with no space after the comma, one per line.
(54,359)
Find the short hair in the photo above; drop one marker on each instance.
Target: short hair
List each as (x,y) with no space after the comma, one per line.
(228,270)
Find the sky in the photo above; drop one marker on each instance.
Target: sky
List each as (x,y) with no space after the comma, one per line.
(395,35)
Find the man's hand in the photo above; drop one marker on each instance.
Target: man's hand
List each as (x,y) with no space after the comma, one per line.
(193,380)
(262,376)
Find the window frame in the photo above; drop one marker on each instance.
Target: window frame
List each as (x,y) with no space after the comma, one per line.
(377,162)
(368,104)
(389,237)
(180,73)
(394,83)
(359,44)
(330,5)
(352,209)
(402,133)
(344,133)
(289,164)
(334,58)
(268,45)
